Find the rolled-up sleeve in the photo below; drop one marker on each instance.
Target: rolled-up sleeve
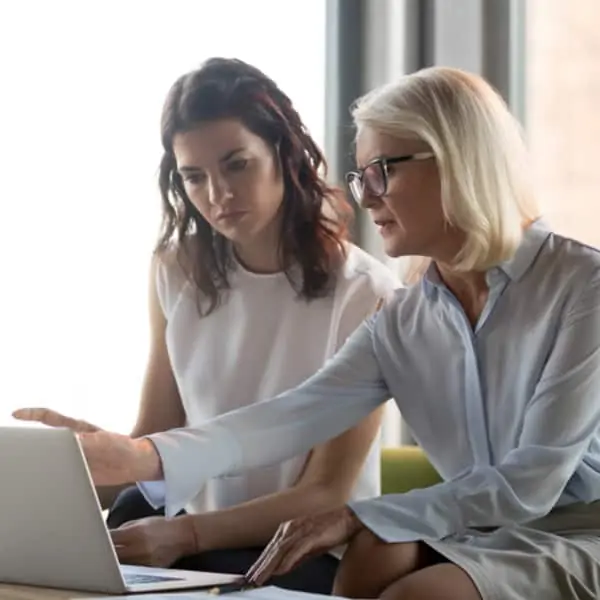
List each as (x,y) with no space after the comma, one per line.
(559,423)
(337,397)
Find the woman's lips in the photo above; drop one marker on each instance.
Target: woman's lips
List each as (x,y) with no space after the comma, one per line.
(231,215)
(385,226)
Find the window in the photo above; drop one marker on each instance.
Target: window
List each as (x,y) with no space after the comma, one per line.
(562,114)
(82,89)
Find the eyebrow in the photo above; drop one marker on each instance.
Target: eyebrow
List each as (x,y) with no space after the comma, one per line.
(386,156)
(224,158)
(361,166)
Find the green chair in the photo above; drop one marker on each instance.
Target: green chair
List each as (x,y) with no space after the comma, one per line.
(405,468)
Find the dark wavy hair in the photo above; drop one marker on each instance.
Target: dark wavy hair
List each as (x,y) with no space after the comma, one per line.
(311,242)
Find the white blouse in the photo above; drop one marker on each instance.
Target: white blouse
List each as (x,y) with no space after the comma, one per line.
(261,341)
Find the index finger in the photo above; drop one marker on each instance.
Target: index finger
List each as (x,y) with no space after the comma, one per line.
(120,536)
(42,415)
(51,418)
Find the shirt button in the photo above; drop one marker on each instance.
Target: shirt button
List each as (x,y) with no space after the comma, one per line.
(493,276)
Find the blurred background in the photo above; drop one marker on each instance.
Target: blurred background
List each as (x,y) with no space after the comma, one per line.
(81,89)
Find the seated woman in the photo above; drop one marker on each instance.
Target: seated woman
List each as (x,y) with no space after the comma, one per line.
(493,359)
(253,287)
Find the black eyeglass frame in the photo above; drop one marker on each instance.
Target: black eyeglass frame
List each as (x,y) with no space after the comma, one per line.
(355,178)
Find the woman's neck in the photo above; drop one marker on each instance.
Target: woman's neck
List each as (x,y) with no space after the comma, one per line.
(257,257)
(469,288)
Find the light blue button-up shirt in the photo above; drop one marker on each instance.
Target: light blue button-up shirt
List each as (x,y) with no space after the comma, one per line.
(507,411)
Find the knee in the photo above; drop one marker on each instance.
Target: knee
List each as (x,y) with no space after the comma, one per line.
(444,580)
(352,579)
(404,589)
(370,565)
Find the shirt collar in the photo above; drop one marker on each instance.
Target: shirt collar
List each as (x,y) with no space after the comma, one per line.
(533,239)
(531,243)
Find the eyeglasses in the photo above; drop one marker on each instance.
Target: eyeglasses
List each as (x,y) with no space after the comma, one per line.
(373,178)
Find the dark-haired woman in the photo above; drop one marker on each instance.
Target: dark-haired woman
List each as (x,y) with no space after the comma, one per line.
(254,286)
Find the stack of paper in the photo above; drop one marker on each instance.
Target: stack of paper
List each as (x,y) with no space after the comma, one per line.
(264,593)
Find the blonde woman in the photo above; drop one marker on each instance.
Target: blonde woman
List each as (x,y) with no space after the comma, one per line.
(493,359)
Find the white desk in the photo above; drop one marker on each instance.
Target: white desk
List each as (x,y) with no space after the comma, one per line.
(13,592)
(19,592)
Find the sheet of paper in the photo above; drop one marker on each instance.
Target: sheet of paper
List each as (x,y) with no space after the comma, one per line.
(265,593)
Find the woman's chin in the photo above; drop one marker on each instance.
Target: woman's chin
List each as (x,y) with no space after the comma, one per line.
(394,246)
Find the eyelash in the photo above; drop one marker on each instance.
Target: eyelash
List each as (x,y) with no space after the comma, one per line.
(237,165)
(234,165)
(192,179)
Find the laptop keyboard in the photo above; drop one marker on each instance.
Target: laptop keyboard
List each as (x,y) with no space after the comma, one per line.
(139,578)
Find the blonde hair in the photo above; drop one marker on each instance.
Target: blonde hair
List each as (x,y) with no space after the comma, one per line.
(480,152)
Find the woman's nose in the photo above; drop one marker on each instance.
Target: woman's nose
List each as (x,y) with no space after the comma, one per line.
(369,200)
(218,191)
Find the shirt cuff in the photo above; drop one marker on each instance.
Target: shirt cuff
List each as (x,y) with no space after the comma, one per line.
(154,492)
(368,514)
(421,514)
(190,457)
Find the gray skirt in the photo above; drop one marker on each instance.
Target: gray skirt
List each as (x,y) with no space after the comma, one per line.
(556,557)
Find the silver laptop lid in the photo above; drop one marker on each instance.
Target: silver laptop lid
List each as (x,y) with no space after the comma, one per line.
(51,528)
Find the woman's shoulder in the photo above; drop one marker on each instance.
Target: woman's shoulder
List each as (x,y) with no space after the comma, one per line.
(568,250)
(177,258)
(362,269)
(567,263)
(361,283)
(172,271)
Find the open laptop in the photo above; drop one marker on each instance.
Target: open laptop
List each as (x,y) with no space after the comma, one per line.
(52,532)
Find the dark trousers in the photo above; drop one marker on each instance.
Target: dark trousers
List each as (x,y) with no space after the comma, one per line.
(315,575)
